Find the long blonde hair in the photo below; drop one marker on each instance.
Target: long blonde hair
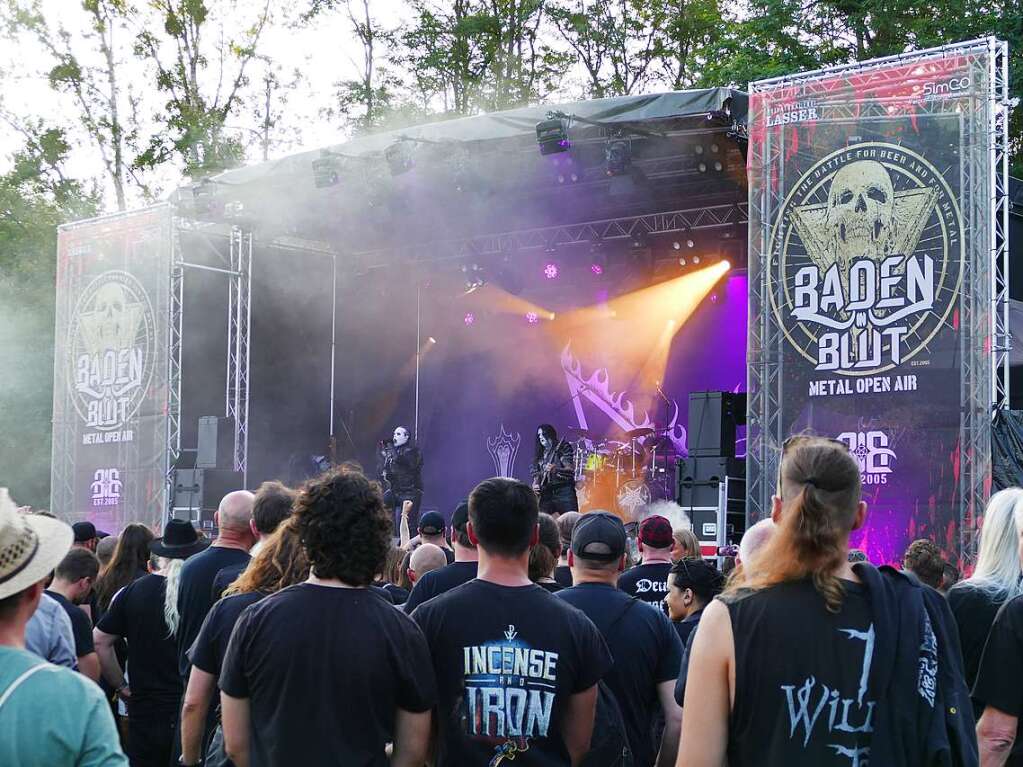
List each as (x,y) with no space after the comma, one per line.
(998,567)
(170,569)
(819,482)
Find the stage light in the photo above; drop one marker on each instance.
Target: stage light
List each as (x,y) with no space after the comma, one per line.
(326,170)
(400,157)
(718,166)
(618,155)
(703,167)
(682,261)
(532,318)
(432,340)
(550,270)
(474,279)
(552,316)
(727,264)
(469,318)
(552,136)
(696,260)
(596,268)
(690,243)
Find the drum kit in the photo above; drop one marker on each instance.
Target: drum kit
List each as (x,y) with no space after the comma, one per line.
(624,473)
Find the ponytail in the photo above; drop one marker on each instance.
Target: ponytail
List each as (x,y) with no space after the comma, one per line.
(820,482)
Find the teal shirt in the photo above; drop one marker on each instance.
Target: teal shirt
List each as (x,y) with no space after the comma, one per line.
(55,718)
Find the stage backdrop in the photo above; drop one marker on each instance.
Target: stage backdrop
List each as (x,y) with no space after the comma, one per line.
(110,379)
(870,285)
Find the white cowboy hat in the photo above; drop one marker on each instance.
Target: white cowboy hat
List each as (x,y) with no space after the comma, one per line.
(31,546)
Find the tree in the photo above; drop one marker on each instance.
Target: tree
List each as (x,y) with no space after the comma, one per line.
(198,105)
(36,196)
(616,41)
(481,54)
(89,68)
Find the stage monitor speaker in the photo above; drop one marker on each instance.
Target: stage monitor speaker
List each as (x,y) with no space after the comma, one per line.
(713,416)
(215,443)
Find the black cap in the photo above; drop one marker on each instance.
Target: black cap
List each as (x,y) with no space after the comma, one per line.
(84,531)
(431,523)
(461,516)
(599,536)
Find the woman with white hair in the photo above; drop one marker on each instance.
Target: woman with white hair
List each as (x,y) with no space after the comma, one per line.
(995,580)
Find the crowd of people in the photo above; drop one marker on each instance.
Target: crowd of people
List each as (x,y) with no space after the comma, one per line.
(311,632)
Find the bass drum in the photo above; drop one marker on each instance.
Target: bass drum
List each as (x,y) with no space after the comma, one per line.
(632,497)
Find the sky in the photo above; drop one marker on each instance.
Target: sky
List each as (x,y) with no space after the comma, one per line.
(324,52)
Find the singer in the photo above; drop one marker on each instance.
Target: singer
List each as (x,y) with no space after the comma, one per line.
(553,470)
(400,466)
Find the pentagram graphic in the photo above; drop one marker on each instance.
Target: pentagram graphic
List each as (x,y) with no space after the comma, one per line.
(866,259)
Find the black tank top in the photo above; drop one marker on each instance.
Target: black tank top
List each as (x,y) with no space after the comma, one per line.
(801,678)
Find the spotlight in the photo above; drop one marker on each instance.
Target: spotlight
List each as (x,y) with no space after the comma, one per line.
(696,260)
(552,316)
(690,243)
(532,318)
(552,136)
(702,167)
(597,268)
(326,170)
(718,166)
(474,279)
(676,245)
(400,157)
(618,155)
(727,264)
(714,297)
(469,318)
(432,340)
(682,261)
(550,270)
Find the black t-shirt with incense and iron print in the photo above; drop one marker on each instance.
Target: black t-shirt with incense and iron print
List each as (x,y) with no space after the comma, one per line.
(507,660)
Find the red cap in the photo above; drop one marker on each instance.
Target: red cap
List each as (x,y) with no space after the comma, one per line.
(656,531)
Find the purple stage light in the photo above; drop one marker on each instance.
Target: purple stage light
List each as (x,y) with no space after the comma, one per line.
(550,271)
(470,318)
(597,269)
(532,318)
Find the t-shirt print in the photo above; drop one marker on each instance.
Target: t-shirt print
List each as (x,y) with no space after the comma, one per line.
(844,716)
(509,694)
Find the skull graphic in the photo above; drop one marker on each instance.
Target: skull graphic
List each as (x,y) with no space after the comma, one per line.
(861,213)
(113,319)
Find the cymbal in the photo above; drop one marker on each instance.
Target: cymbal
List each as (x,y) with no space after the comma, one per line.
(637,433)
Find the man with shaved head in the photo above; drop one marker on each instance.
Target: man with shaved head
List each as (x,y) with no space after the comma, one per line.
(195,588)
(427,557)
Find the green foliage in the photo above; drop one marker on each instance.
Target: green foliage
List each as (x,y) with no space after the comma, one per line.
(35,198)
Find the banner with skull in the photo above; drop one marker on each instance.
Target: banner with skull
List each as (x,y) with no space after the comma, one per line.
(870,283)
(110,369)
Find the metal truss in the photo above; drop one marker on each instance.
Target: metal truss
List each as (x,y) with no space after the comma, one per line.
(239,315)
(999,158)
(765,345)
(174,350)
(605,230)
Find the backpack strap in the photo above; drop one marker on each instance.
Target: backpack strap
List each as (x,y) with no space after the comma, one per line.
(20,680)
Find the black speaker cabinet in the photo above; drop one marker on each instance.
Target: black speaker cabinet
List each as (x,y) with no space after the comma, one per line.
(197,493)
(215,443)
(713,416)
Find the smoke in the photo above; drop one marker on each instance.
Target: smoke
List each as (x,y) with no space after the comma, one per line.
(668,509)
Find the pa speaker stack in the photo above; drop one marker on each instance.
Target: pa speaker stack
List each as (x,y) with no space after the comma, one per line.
(204,476)
(712,475)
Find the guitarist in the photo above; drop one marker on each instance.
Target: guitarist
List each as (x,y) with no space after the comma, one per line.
(553,470)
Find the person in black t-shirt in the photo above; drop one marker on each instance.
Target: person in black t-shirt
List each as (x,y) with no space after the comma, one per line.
(195,593)
(327,671)
(71,586)
(798,628)
(144,615)
(644,646)
(517,668)
(692,584)
(279,563)
(649,580)
(271,506)
(995,580)
(462,570)
(999,689)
